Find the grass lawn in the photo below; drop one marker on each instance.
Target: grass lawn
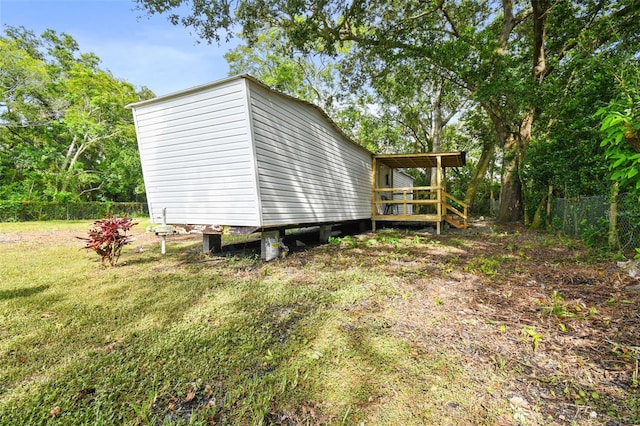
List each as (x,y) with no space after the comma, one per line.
(483,327)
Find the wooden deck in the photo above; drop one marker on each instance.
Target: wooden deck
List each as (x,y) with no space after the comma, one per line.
(431,204)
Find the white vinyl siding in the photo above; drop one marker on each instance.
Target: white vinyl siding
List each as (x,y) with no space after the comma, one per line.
(307,170)
(197,157)
(402,180)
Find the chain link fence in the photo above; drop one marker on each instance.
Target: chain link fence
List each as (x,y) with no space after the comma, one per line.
(19,211)
(589,218)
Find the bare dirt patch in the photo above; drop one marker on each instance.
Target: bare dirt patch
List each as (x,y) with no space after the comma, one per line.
(70,236)
(538,321)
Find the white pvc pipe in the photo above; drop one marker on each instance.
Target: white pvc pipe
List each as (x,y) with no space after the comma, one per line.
(163,244)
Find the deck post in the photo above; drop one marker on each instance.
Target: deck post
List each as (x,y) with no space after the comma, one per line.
(404,202)
(441,200)
(374,186)
(211,243)
(439,187)
(374,194)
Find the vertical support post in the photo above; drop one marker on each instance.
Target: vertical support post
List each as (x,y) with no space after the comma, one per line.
(163,243)
(374,184)
(325,233)
(211,243)
(439,183)
(270,245)
(404,202)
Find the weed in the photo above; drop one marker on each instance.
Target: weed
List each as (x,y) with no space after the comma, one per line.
(557,307)
(531,332)
(388,239)
(593,234)
(487,266)
(335,241)
(446,268)
(499,361)
(617,257)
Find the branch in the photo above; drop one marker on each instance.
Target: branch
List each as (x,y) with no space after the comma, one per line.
(428,12)
(448,118)
(510,22)
(93,189)
(450,21)
(414,132)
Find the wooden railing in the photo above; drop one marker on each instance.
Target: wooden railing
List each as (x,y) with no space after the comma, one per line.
(388,204)
(445,206)
(464,214)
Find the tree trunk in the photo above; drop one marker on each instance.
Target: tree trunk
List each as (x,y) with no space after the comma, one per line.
(549,206)
(536,223)
(514,145)
(516,141)
(511,190)
(613,217)
(436,133)
(481,169)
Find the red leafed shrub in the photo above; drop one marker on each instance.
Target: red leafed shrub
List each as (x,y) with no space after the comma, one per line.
(108,236)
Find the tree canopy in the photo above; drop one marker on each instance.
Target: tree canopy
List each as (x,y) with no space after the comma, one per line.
(508,56)
(64,132)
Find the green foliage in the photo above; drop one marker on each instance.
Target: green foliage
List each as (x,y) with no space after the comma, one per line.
(621,127)
(533,334)
(557,307)
(269,58)
(421,61)
(621,131)
(595,235)
(108,236)
(65,133)
(486,265)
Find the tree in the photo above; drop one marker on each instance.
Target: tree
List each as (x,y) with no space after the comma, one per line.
(501,52)
(277,64)
(315,78)
(63,126)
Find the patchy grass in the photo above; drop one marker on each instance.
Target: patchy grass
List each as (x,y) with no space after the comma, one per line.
(398,327)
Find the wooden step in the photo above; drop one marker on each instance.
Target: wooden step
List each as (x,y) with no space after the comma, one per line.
(455,221)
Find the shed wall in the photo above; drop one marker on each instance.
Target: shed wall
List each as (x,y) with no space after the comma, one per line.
(307,170)
(197,157)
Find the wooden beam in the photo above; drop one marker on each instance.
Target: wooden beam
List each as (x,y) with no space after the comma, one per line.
(374,194)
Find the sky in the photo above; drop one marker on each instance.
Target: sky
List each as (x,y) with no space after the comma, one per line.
(145,51)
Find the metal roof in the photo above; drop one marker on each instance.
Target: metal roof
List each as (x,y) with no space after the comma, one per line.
(422,160)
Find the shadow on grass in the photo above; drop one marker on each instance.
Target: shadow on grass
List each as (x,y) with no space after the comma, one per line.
(22,292)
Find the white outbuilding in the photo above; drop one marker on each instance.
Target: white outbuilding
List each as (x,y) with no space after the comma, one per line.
(235,156)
